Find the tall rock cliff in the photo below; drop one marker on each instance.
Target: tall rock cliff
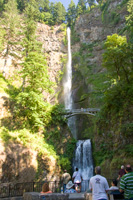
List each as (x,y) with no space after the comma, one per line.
(92,30)
(89,81)
(19,163)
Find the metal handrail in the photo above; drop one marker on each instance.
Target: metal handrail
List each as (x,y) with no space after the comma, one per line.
(18,189)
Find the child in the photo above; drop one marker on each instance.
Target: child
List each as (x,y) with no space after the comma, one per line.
(114,185)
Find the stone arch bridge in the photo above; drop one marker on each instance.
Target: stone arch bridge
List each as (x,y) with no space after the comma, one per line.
(83,111)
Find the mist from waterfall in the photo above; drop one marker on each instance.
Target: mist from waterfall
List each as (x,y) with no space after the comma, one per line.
(68,86)
(83,161)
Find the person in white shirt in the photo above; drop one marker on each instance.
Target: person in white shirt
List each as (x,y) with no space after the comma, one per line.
(77,178)
(98,185)
(114,185)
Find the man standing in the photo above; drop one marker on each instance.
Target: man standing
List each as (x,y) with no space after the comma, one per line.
(126,183)
(77,178)
(98,185)
(65,178)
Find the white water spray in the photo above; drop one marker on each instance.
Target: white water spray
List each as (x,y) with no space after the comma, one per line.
(68,78)
(83,161)
(68,87)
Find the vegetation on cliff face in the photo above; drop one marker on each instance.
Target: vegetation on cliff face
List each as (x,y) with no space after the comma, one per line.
(30,120)
(115,120)
(109,84)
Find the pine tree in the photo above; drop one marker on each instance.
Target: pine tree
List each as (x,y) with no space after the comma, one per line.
(21,4)
(46,5)
(71,13)
(1,5)
(91,3)
(10,25)
(2,33)
(81,7)
(31,105)
(59,13)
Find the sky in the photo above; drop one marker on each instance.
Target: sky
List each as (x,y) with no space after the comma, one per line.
(65,2)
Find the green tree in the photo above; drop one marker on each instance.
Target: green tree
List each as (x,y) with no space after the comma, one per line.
(46,5)
(91,3)
(21,4)
(100,1)
(31,103)
(59,13)
(71,13)
(117,58)
(2,33)
(81,7)
(129,19)
(1,5)
(48,18)
(35,73)
(10,25)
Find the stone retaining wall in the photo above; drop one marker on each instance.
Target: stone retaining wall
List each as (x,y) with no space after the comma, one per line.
(53,196)
(12,198)
(38,196)
(56,196)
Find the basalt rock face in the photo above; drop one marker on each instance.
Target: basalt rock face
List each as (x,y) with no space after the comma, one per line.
(54,50)
(92,29)
(20,164)
(17,162)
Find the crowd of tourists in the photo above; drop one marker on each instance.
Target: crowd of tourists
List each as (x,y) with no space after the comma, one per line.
(98,184)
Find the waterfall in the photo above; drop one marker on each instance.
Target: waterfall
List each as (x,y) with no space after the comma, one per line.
(68,76)
(83,156)
(83,161)
(68,86)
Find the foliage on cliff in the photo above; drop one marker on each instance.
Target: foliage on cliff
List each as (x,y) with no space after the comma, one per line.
(114,122)
(109,84)
(30,121)
(115,119)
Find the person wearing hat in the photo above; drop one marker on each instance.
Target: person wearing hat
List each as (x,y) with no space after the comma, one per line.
(70,188)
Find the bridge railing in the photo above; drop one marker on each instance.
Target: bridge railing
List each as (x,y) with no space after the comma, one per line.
(82,110)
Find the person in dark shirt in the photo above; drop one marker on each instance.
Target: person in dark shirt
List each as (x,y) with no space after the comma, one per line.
(121,172)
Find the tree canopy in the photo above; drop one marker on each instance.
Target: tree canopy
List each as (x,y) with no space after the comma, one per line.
(117,57)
